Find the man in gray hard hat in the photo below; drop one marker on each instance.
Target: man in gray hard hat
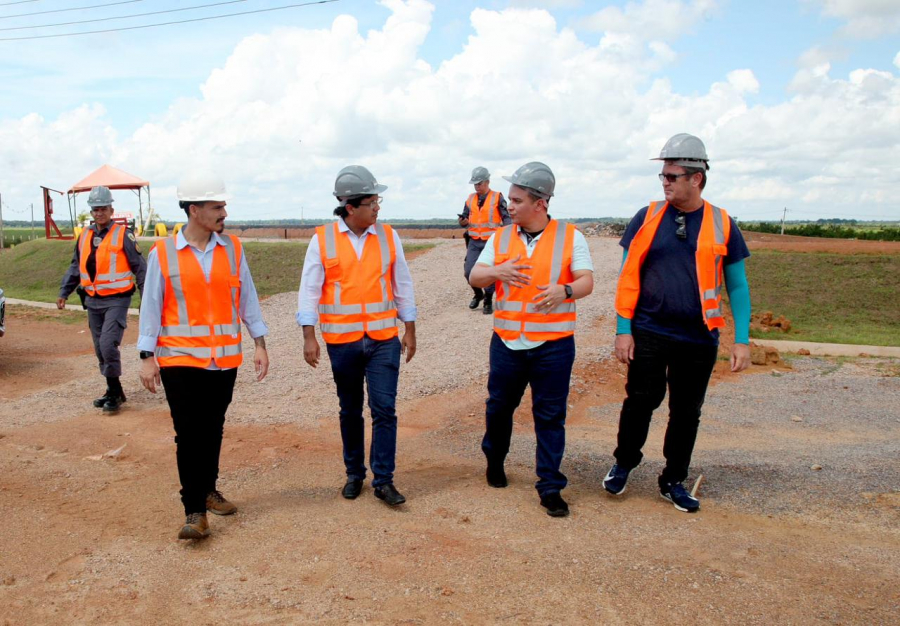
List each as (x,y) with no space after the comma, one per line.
(678,252)
(539,266)
(108,266)
(357,286)
(484,212)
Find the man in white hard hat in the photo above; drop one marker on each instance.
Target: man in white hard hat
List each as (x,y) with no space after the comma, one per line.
(678,252)
(484,212)
(357,285)
(108,267)
(199,290)
(539,266)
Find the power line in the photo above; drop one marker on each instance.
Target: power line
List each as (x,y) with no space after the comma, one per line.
(197,19)
(6,4)
(96,6)
(122,17)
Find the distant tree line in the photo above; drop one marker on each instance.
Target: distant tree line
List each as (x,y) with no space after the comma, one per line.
(832,229)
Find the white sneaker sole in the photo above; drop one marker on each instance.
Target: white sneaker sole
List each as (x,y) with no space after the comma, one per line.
(682,509)
(614,493)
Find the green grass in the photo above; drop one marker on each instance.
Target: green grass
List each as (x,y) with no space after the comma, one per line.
(829,298)
(33,270)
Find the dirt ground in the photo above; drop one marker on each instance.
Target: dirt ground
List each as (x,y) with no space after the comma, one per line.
(93,541)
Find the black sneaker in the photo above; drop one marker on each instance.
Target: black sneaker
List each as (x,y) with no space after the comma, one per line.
(679,496)
(389,494)
(616,479)
(555,505)
(475,302)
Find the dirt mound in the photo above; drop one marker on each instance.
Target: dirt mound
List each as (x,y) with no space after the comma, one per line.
(766,322)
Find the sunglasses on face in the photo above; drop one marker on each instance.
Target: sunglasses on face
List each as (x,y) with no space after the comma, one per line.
(671,178)
(681,231)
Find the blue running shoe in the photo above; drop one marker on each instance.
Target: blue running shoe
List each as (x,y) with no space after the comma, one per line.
(616,479)
(680,497)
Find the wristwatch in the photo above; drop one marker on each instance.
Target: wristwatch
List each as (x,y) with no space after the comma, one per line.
(146,354)
(568,290)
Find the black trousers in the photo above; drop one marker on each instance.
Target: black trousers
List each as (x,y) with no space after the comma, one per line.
(198,399)
(685,368)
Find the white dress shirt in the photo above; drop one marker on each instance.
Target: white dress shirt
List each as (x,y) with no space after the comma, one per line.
(313,277)
(155,286)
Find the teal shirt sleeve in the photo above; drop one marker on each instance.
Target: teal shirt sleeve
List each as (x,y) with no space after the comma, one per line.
(739,296)
(623,325)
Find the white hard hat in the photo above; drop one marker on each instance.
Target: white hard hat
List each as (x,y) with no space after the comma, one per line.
(202,187)
(100,196)
(684,150)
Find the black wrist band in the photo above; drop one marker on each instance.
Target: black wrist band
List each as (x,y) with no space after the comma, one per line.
(145,354)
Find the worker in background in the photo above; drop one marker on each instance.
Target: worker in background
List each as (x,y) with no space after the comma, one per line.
(484,212)
(540,266)
(356,283)
(107,267)
(199,290)
(669,306)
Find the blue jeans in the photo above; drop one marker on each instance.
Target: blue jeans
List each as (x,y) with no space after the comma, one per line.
(378,364)
(547,369)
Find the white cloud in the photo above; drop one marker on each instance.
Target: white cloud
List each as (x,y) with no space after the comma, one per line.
(865,18)
(897,61)
(289,108)
(662,20)
(546,4)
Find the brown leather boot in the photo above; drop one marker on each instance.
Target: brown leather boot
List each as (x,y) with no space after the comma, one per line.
(217,504)
(195,527)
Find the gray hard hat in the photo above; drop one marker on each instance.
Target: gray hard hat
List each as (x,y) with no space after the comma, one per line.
(684,150)
(355,180)
(100,196)
(534,176)
(479,174)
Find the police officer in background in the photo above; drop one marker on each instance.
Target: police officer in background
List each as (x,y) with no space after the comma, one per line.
(108,266)
(678,253)
(484,212)
(199,290)
(540,266)
(357,285)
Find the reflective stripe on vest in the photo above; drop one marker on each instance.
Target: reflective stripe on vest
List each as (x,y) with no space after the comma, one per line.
(484,220)
(712,247)
(200,323)
(109,259)
(514,311)
(373,311)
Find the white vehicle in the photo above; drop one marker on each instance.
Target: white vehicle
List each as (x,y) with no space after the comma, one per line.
(2,313)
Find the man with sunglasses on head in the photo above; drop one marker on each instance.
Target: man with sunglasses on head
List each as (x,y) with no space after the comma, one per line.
(108,267)
(678,252)
(357,285)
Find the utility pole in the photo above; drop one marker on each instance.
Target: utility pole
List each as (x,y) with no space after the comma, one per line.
(783,215)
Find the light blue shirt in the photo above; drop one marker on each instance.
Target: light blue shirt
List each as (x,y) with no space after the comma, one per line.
(155,286)
(581,260)
(312,278)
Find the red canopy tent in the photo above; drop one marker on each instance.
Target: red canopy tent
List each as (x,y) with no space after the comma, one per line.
(111,177)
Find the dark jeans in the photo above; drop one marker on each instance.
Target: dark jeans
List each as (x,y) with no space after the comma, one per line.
(686,367)
(198,399)
(547,369)
(378,364)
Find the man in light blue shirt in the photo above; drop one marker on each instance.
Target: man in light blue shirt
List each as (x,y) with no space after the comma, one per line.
(197,292)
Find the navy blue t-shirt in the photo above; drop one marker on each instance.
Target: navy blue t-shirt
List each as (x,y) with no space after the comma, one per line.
(669,303)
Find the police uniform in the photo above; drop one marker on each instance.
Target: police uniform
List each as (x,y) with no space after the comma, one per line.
(108,294)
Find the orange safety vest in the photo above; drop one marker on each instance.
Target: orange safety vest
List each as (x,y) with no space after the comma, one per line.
(712,247)
(485,220)
(200,320)
(358,294)
(113,274)
(551,264)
